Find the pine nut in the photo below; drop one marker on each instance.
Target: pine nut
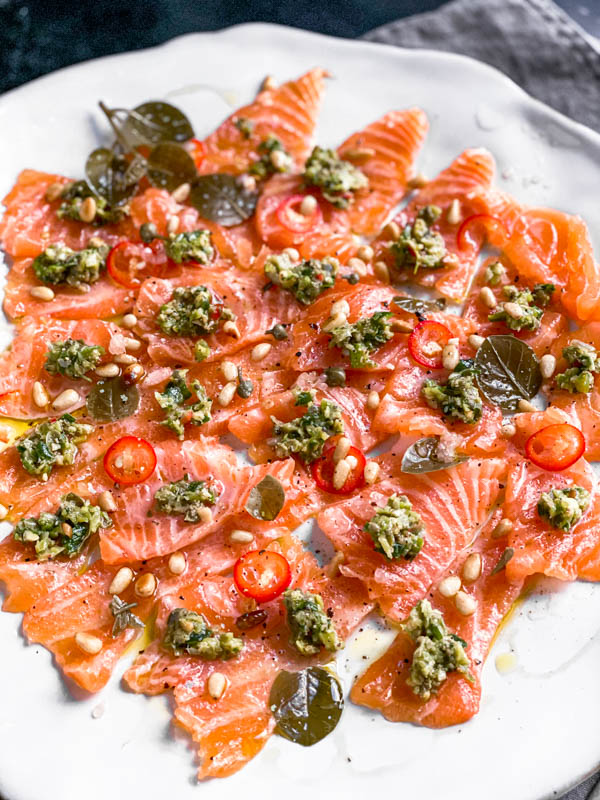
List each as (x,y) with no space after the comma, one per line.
(129,321)
(65,399)
(476,341)
(177,563)
(216,685)
(381,271)
(88,643)
(280,160)
(547,365)
(3,512)
(181,193)
(229,370)
(53,192)
(513,310)
(108,370)
(231,329)
(173,224)
(365,253)
(124,358)
(358,155)
(145,586)
(487,297)
(454,340)
(87,210)
(226,394)
(418,182)
(465,604)
(132,344)
(241,537)
(503,528)
(268,84)
(352,462)
(454,215)
(40,395)
(66,529)
(334,322)
(371,472)
(450,356)
(391,230)
(96,241)
(205,515)
(292,253)
(341,473)
(308,206)
(342,449)
(43,293)
(133,373)
(400,326)
(261,351)
(358,265)
(508,430)
(472,568)
(121,581)
(340,307)
(525,406)
(449,586)
(373,400)
(107,502)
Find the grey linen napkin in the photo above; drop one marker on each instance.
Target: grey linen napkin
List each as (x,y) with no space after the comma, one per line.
(537,45)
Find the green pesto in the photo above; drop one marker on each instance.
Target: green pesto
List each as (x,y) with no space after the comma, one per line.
(309,624)
(268,163)
(584,361)
(73,358)
(419,246)
(493,273)
(357,340)
(305,436)
(303,397)
(190,312)
(75,193)
(396,530)
(437,653)
(190,246)
(201,350)
(245,126)
(188,634)
(337,179)
(50,444)
(59,264)
(459,396)
(306,280)
(531,302)
(185,498)
(47,532)
(563,508)
(172,400)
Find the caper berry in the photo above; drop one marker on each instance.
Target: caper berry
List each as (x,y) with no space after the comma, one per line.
(245,387)
(278,332)
(148,232)
(352,278)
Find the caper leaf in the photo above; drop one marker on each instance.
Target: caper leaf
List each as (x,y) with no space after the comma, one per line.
(307,705)
(416,306)
(170,165)
(507,371)
(156,121)
(266,499)
(423,456)
(109,176)
(222,198)
(112,399)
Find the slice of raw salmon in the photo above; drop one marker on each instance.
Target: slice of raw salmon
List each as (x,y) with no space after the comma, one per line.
(453,504)
(383,686)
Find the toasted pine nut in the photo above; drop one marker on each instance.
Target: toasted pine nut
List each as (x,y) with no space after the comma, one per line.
(340,307)
(129,321)
(241,537)
(454,215)
(487,297)
(65,399)
(400,326)
(334,322)
(88,643)
(226,394)
(293,254)
(279,159)
(205,515)
(124,358)
(373,400)
(450,356)
(173,224)
(504,527)
(231,329)
(391,230)
(508,430)
(365,253)
(371,472)
(40,395)
(381,271)
(177,563)
(341,473)
(67,529)
(3,512)
(43,293)
(449,586)
(472,568)
(357,265)
(107,502)
(342,449)
(229,370)
(475,340)
(525,406)
(513,310)
(465,604)
(121,581)
(308,206)
(268,84)
(132,344)
(53,192)
(418,182)
(358,155)
(87,210)
(216,685)
(547,365)
(133,373)
(261,351)
(181,193)
(108,370)
(145,586)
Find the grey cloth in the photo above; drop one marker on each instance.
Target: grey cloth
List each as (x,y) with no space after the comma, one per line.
(537,45)
(532,41)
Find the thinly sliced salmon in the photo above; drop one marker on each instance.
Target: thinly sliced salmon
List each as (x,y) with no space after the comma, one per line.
(452,503)
(383,686)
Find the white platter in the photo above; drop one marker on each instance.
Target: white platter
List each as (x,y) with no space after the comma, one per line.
(538,731)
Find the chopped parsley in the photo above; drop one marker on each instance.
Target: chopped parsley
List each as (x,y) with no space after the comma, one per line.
(584,361)
(51,443)
(191,312)
(172,400)
(73,196)
(306,280)
(563,508)
(245,126)
(273,157)
(358,340)
(188,634)
(311,627)
(531,302)
(459,396)
(337,179)
(190,246)
(419,246)
(73,358)
(185,498)
(396,530)
(305,436)
(77,268)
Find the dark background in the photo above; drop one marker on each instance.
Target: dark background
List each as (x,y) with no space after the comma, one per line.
(39,36)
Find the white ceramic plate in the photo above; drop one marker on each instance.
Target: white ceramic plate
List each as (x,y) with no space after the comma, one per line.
(539,728)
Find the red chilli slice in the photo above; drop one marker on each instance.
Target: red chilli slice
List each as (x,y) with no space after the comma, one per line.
(323,469)
(130,263)
(427,342)
(262,575)
(289,215)
(477,220)
(555,447)
(129,460)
